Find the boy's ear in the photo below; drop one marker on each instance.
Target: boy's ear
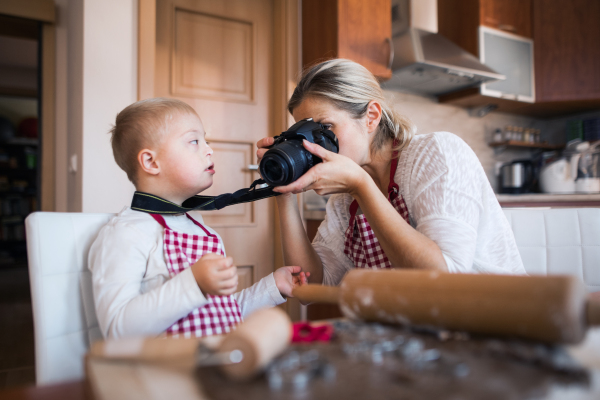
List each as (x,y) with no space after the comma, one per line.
(148,162)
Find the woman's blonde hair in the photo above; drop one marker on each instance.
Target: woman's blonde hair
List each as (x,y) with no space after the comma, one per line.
(351,87)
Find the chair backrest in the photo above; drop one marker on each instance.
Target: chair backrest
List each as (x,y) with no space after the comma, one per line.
(559,241)
(61,291)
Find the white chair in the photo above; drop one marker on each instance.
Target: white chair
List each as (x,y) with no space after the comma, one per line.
(61,291)
(559,241)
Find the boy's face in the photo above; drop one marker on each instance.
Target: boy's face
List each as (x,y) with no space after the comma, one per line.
(185,157)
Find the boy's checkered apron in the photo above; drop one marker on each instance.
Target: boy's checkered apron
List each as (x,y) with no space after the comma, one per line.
(361,245)
(221,313)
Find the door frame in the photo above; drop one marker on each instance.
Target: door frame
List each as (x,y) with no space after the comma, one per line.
(43,11)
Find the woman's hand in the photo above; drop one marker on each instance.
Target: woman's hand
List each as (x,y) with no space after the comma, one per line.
(336,174)
(263,146)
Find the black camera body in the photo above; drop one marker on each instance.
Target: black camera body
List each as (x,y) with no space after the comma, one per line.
(287,160)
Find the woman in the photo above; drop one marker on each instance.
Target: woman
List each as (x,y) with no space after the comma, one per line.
(401,201)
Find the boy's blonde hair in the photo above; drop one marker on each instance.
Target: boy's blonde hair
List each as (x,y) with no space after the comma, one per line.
(141,125)
(350,87)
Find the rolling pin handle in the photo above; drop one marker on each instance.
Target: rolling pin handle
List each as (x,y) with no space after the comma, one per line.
(593,309)
(312,293)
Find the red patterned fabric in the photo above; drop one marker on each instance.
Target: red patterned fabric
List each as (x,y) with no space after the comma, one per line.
(361,245)
(221,313)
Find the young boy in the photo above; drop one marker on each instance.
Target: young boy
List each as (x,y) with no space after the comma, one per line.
(155,274)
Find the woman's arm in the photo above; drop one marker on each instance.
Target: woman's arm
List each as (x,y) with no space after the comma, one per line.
(402,244)
(297,249)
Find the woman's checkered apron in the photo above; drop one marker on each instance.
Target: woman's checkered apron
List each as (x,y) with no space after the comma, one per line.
(182,250)
(361,245)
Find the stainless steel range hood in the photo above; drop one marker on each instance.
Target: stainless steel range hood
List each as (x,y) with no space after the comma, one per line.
(428,63)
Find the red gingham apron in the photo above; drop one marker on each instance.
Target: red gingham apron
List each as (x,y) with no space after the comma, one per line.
(221,313)
(361,245)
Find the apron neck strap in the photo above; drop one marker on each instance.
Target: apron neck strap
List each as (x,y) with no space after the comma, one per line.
(199,225)
(160,219)
(393,187)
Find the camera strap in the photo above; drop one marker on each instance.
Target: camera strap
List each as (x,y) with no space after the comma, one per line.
(152,204)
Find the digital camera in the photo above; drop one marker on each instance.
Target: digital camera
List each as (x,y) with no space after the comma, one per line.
(287,160)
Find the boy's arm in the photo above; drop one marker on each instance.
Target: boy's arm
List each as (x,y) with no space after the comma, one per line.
(271,290)
(118,260)
(262,294)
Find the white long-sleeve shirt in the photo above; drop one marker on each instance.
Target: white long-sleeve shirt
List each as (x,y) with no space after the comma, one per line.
(133,292)
(449,200)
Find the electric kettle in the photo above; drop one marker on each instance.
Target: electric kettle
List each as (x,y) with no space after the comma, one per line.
(559,175)
(516,177)
(588,170)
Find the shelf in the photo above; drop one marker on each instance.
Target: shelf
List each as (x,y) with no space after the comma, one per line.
(21,141)
(472,98)
(515,143)
(18,92)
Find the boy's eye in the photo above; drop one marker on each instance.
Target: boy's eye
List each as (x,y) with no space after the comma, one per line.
(327,126)
(194,142)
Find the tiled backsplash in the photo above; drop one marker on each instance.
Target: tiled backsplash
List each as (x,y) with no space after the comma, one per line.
(430,116)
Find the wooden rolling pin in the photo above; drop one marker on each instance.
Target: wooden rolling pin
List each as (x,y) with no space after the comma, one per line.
(553,309)
(241,353)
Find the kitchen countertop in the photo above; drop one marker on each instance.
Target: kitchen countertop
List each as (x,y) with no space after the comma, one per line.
(546,197)
(549,200)
(518,200)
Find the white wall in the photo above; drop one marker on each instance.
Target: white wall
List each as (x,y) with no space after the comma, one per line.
(109,85)
(96,78)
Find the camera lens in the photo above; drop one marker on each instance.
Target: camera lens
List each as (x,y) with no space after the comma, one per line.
(285,163)
(274,170)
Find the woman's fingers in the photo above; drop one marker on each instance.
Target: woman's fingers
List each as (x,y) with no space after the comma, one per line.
(265,142)
(317,150)
(300,185)
(260,153)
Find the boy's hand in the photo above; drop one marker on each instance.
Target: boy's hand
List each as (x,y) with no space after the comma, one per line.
(215,274)
(287,278)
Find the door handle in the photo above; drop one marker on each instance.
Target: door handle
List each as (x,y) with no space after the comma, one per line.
(252,167)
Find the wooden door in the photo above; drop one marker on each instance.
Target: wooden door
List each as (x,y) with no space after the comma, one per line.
(217,57)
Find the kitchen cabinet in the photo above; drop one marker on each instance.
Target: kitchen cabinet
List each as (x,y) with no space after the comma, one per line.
(566,38)
(512,16)
(458,20)
(354,29)
(566,55)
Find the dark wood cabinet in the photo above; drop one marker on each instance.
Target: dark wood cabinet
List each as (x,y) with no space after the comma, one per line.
(565,47)
(458,20)
(355,29)
(566,38)
(512,16)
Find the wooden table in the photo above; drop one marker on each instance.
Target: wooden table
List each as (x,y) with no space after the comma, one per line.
(63,391)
